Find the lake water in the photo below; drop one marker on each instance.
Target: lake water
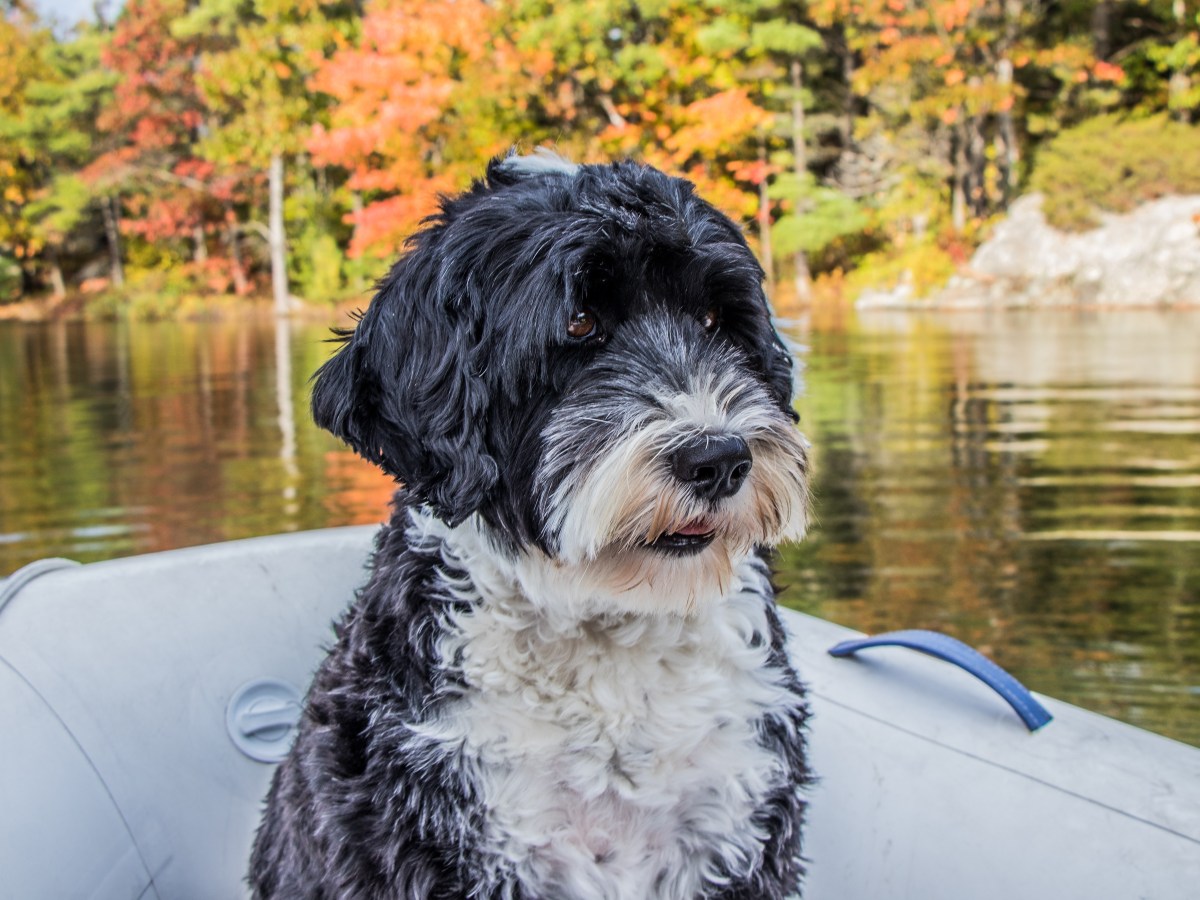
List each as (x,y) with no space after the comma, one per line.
(1026,481)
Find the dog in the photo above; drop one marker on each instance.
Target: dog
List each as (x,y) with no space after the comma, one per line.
(566,678)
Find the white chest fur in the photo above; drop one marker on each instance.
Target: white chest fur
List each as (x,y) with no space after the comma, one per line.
(617,757)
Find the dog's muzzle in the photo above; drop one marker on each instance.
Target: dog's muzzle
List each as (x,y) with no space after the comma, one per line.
(714,466)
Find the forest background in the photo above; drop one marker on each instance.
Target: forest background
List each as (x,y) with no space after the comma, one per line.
(181,154)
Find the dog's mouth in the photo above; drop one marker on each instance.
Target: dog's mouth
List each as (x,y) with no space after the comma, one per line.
(688,540)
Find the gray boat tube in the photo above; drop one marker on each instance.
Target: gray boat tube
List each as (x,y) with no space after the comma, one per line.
(142,701)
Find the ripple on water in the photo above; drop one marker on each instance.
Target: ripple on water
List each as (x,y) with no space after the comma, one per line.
(1044,502)
(1028,482)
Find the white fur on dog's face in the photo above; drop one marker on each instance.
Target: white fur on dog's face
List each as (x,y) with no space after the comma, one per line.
(606,507)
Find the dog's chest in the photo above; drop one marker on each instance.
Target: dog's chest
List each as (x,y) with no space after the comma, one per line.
(617,759)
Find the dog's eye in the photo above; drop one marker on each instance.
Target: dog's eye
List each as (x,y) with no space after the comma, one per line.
(582,324)
(711,320)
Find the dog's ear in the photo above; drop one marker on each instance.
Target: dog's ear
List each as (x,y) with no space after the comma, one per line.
(779,365)
(402,392)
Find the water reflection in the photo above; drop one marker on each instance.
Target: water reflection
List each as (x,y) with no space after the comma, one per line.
(1027,482)
(287,413)
(126,438)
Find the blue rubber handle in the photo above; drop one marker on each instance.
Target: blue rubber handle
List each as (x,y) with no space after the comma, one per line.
(944,647)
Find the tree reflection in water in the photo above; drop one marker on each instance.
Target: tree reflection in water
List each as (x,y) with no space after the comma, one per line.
(1026,481)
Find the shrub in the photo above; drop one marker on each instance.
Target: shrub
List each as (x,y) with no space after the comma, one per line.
(924,266)
(317,265)
(155,294)
(1112,164)
(10,280)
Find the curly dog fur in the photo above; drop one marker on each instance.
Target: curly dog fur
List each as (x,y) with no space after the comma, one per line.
(566,678)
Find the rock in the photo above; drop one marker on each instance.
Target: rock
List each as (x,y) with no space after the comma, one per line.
(1149,257)
(900,296)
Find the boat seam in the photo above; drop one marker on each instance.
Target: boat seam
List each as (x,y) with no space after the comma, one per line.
(15,583)
(91,763)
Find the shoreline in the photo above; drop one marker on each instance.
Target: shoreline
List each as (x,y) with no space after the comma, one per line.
(217,308)
(32,312)
(1150,255)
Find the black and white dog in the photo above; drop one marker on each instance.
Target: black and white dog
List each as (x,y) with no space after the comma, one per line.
(566,678)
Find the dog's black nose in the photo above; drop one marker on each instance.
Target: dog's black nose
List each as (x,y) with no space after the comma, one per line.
(715,465)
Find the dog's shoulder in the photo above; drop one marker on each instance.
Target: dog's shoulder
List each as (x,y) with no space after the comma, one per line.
(387,641)
(366,798)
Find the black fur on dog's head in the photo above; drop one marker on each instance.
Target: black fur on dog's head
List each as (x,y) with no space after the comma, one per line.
(454,373)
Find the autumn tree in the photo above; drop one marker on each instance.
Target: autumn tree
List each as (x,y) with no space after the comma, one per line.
(210,136)
(253,70)
(411,117)
(430,90)
(152,184)
(58,124)
(21,65)
(954,81)
(609,79)
(1156,44)
(773,48)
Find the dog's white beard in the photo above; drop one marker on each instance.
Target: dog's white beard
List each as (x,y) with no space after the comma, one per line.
(604,518)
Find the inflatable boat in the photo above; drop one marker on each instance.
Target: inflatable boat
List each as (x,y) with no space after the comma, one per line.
(144,701)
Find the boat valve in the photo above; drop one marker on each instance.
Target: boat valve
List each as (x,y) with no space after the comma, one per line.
(261,718)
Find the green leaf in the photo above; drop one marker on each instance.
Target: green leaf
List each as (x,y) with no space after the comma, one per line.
(828,216)
(62,207)
(722,36)
(779,36)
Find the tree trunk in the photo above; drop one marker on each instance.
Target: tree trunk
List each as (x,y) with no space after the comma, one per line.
(57,283)
(276,237)
(1007,152)
(111,211)
(240,287)
(958,196)
(1102,29)
(980,202)
(1177,87)
(1006,140)
(764,225)
(1179,84)
(800,158)
(200,251)
(847,55)
(799,149)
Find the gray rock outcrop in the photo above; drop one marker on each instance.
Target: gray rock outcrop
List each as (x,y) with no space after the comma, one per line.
(1149,257)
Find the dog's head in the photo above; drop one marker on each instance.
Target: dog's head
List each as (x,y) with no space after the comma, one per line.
(583,358)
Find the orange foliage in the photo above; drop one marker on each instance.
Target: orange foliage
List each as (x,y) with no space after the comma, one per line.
(957,44)
(715,123)
(408,90)
(156,104)
(753,171)
(1104,71)
(153,124)
(393,90)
